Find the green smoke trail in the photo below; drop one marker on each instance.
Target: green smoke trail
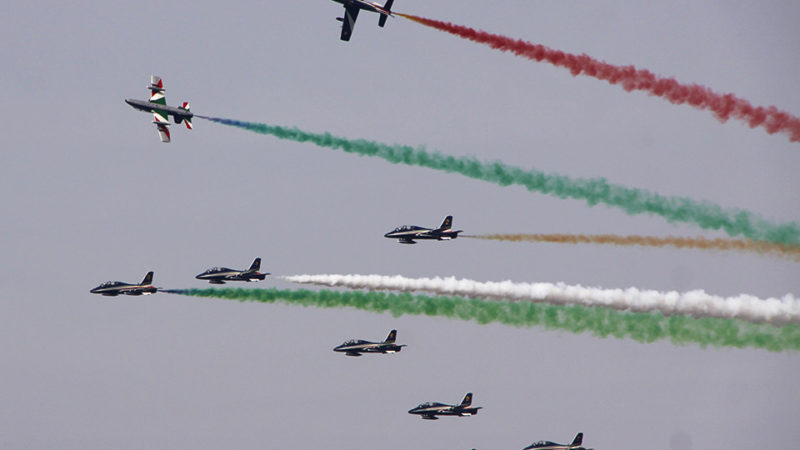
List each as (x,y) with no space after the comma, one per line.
(734,222)
(601,322)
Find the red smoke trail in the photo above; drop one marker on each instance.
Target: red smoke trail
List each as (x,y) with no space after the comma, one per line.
(633,79)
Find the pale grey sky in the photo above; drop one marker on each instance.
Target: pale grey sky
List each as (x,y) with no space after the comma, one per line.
(89,194)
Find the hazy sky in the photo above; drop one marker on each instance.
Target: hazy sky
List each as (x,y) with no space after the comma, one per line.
(89,194)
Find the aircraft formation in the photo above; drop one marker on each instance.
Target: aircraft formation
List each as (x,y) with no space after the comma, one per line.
(351,347)
(406,234)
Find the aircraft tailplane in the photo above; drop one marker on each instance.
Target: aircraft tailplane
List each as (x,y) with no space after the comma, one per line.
(392,336)
(467,399)
(578,440)
(382,18)
(148,279)
(256,266)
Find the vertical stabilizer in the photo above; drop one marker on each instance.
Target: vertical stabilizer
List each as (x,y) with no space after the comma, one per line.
(157,90)
(256,266)
(392,336)
(388,8)
(148,279)
(447,224)
(577,441)
(467,399)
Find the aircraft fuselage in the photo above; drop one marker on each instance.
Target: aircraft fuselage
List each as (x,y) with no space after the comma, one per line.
(356,348)
(116,288)
(148,106)
(430,412)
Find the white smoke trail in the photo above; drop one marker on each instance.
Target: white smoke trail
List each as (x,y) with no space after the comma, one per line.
(775,311)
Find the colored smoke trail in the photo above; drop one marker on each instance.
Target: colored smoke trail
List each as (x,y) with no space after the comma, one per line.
(734,222)
(600,322)
(743,245)
(693,303)
(723,106)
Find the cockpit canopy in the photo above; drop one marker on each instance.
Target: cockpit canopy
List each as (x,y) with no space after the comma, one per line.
(217,269)
(427,405)
(543,444)
(406,228)
(111,283)
(349,342)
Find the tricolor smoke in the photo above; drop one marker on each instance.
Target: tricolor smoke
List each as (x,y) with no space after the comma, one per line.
(724,106)
(742,245)
(734,222)
(600,322)
(693,303)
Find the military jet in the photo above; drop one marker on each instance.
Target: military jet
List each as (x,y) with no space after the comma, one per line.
(114,288)
(430,410)
(219,275)
(351,9)
(161,112)
(357,347)
(547,445)
(407,233)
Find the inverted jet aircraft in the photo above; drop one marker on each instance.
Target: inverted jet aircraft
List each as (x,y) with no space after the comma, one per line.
(161,112)
(547,445)
(430,410)
(219,275)
(407,233)
(114,288)
(351,9)
(357,347)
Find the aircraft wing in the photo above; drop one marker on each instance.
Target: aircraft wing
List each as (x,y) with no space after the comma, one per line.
(350,16)
(162,124)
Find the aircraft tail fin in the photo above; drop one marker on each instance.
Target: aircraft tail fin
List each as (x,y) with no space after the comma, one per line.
(382,18)
(256,266)
(148,279)
(186,120)
(467,399)
(391,337)
(157,90)
(578,440)
(447,224)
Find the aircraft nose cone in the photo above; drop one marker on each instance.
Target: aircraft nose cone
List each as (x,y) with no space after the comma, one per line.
(199,276)
(387,234)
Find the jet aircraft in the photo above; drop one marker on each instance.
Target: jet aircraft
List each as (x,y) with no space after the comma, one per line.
(430,410)
(161,112)
(357,347)
(547,445)
(407,233)
(114,288)
(351,9)
(219,275)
